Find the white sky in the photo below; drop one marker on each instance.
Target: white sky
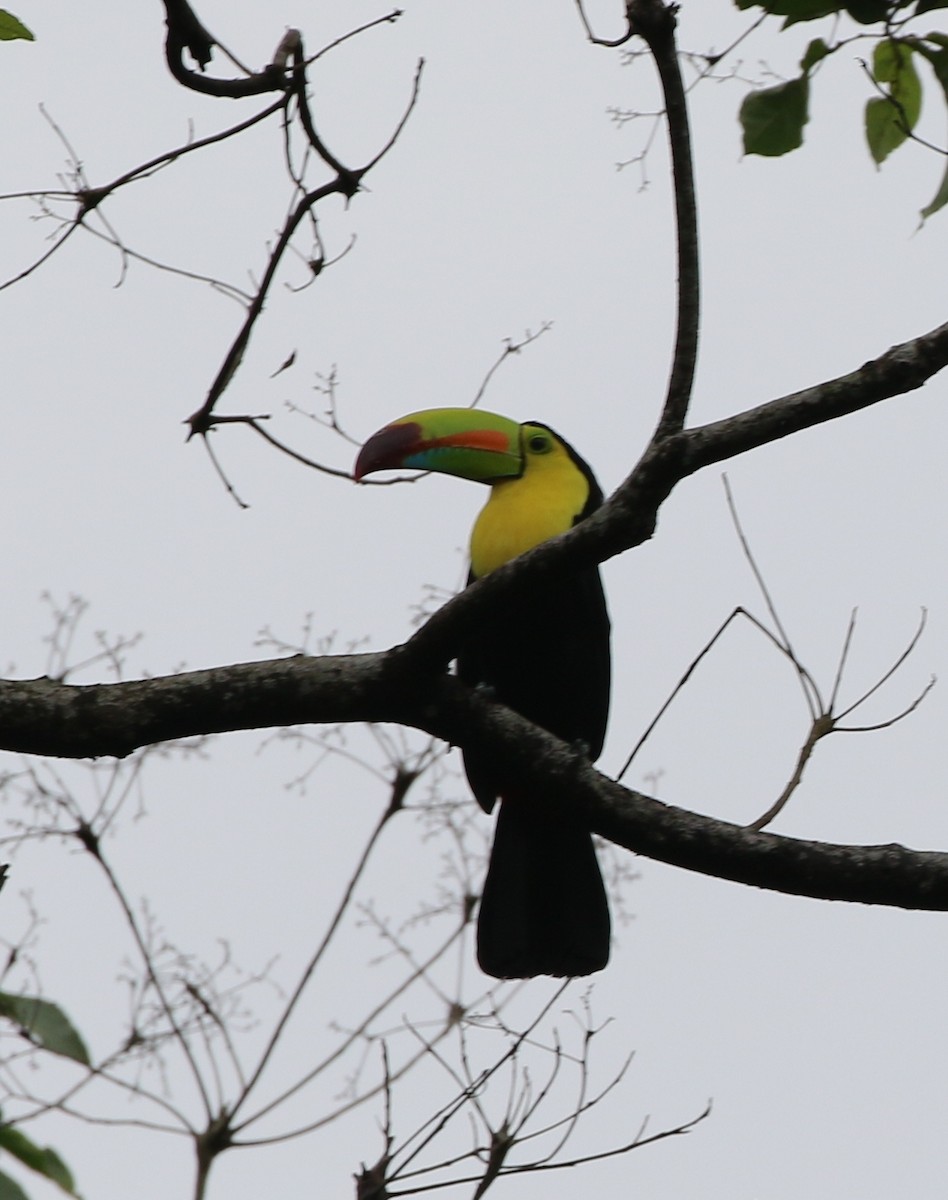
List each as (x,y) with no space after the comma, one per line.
(818,1030)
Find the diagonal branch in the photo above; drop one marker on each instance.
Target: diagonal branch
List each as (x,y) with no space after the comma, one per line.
(903,368)
(346,183)
(201,421)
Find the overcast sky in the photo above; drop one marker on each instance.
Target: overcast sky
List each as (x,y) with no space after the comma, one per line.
(817,1029)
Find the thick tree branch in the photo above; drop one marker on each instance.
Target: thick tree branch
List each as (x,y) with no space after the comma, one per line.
(43,717)
(903,368)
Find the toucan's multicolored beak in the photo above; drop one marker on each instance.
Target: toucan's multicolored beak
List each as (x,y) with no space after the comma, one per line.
(454,441)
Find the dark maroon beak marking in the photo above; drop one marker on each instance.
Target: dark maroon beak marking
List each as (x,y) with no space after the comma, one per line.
(387,448)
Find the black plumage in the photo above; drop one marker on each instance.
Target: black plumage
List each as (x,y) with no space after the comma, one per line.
(547,655)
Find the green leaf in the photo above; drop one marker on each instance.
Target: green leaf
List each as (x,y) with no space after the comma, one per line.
(866,12)
(815,52)
(870,12)
(41,1159)
(11,28)
(938,58)
(939,200)
(892,60)
(45,1024)
(925,6)
(793,10)
(884,130)
(773,118)
(889,121)
(10,1189)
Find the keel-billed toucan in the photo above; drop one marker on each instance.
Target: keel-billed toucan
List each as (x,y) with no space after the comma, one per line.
(544,653)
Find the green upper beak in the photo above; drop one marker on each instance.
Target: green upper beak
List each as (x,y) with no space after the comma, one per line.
(454,441)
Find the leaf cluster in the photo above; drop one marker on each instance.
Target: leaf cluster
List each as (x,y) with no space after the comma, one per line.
(46,1026)
(773,118)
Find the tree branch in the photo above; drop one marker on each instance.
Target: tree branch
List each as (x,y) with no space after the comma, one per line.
(43,717)
(903,368)
(185,32)
(655,22)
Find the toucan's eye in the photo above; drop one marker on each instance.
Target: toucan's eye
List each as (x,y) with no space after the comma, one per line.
(539,443)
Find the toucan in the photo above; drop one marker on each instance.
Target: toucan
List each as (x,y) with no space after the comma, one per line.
(544,653)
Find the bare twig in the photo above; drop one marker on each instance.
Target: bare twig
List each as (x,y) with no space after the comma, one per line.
(913,642)
(811,692)
(510,347)
(598,41)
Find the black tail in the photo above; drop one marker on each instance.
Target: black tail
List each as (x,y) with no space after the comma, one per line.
(544,908)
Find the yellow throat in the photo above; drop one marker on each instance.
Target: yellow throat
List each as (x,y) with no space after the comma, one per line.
(544,501)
